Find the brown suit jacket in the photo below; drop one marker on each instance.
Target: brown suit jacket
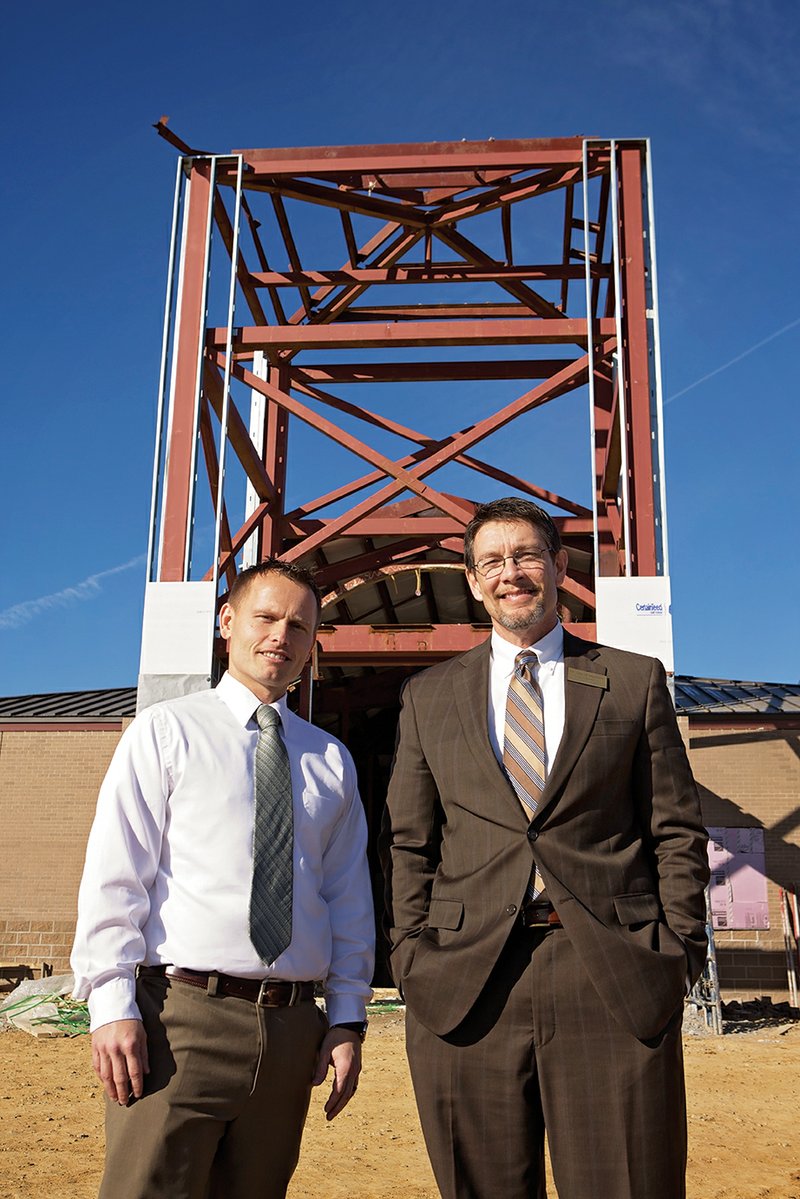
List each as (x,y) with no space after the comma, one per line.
(617,837)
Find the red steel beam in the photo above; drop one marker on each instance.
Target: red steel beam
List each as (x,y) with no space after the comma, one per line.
(607,475)
(449,312)
(425,333)
(416,157)
(609,449)
(432,528)
(584,594)
(350,239)
(365,645)
(457,272)
(177,490)
(412,506)
(291,248)
(566,243)
(599,241)
(276,455)
(362,644)
(427,372)
(431,187)
(637,374)
(212,473)
(238,435)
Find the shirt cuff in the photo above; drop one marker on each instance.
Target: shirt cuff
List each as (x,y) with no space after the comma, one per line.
(346,1009)
(113,1000)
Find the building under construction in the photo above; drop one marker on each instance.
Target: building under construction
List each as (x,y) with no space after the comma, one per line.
(408,271)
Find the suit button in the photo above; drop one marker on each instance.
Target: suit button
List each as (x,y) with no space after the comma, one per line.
(511,909)
(533,834)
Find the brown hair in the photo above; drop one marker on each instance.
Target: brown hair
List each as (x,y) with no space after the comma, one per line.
(513,510)
(274,566)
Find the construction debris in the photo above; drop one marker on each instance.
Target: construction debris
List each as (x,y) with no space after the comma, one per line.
(44,1007)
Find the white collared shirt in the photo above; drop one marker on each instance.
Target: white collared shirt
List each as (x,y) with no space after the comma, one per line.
(550,675)
(169,861)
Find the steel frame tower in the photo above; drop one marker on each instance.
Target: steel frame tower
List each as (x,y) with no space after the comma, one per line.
(405,264)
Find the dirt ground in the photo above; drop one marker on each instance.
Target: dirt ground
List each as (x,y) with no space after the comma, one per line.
(744,1108)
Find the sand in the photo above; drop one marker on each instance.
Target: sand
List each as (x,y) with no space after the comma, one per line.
(743,1101)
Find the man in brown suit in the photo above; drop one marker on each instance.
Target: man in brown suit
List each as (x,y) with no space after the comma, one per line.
(544,944)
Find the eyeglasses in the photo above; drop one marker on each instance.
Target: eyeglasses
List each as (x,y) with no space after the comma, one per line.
(490,568)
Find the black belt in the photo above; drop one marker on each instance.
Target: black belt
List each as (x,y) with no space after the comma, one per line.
(540,915)
(267,992)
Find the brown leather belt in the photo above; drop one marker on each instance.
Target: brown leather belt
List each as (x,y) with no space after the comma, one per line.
(540,915)
(268,992)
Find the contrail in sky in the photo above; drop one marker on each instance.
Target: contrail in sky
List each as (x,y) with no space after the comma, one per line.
(20,614)
(733,361)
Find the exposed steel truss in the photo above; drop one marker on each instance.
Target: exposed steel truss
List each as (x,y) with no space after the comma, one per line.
(298,273)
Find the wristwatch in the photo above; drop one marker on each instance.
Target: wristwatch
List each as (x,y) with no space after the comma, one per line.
(359,1027)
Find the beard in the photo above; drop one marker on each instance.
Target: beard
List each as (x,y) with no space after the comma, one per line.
(517,621)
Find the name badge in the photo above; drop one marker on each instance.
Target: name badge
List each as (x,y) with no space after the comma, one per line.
(585,676)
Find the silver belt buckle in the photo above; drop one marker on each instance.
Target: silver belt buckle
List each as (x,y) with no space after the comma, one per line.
(267,982)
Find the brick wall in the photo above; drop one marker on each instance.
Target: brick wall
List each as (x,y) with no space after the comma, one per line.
(750,776)
(48,791)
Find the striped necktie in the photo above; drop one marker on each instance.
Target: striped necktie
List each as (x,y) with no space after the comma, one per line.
(273,835)
(524,746)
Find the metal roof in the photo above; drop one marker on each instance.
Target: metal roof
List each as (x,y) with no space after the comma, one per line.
(70,705)
(722,696)
(692,696)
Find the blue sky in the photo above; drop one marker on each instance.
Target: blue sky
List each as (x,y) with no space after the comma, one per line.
(85,238)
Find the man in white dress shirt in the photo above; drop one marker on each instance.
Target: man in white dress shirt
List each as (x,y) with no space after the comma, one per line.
(206,1052)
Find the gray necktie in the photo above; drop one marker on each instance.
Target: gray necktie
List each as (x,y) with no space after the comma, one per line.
(271,892)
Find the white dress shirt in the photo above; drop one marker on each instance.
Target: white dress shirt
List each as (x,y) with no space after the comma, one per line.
(169,861)
(550,676)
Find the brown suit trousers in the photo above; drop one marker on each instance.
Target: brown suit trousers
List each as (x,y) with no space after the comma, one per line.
(225,1100)
(522,1062)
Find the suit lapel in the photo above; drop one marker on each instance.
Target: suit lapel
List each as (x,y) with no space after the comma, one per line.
(472,701)
(582,699)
